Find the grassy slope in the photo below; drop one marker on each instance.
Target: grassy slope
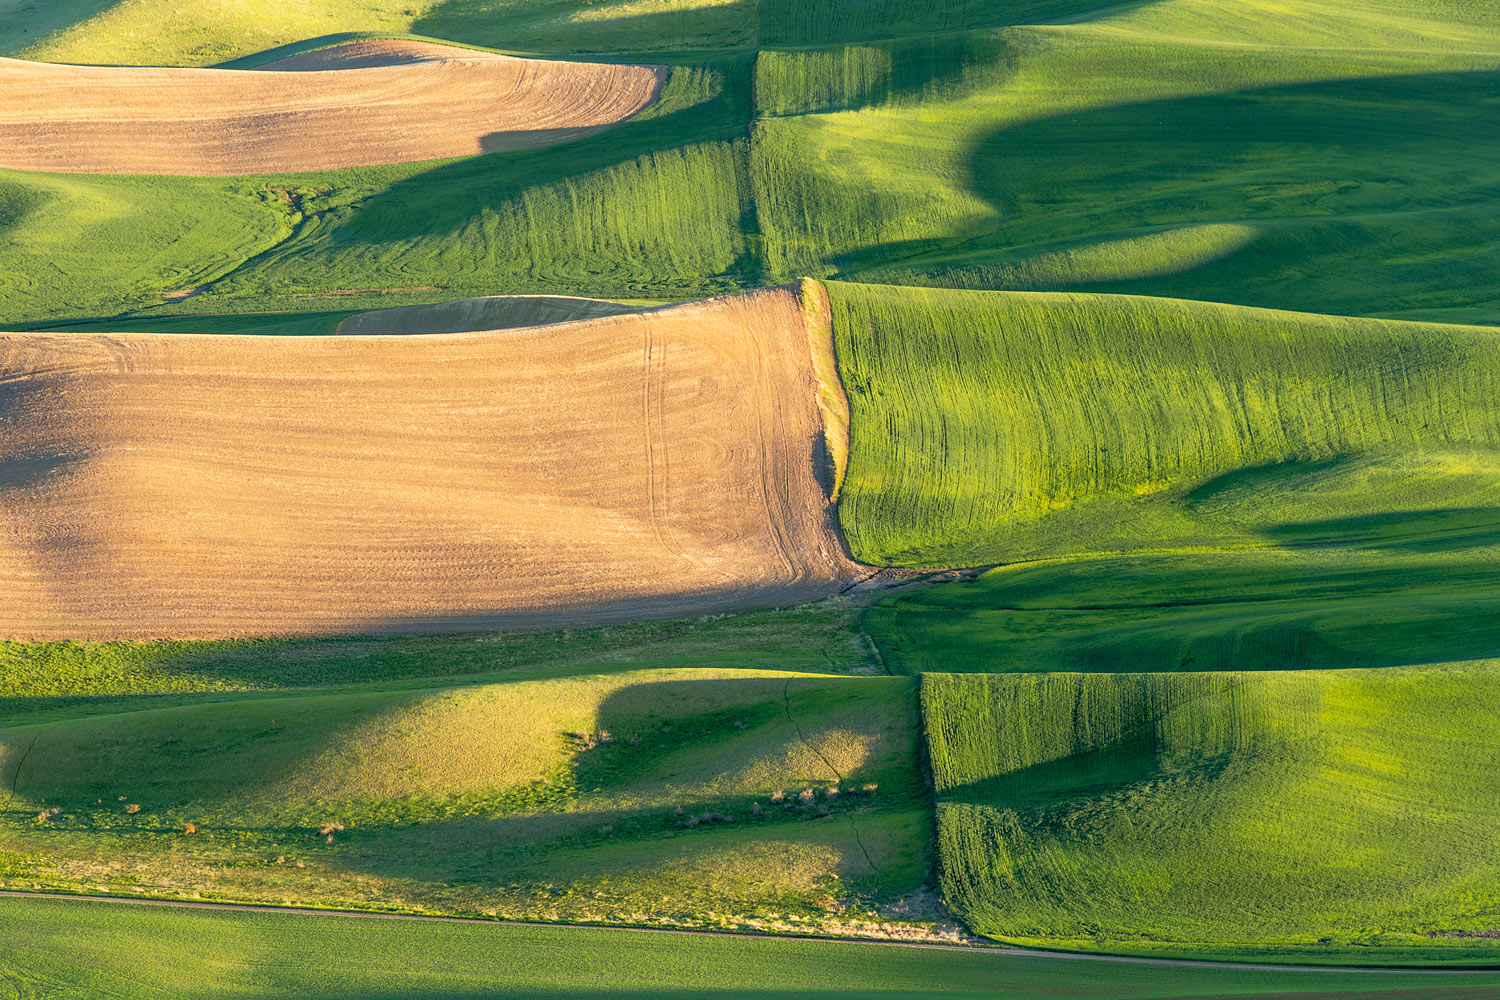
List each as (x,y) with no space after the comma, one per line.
(992,427)
(72,949)
(1205,487)
(1277,814)
(43,681)
(491,798)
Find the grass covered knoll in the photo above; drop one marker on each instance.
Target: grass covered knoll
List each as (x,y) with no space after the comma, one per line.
(74,949)
(1317,815)
(742,799)
(993,427)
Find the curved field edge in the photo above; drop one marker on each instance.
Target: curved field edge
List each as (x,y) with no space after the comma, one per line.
(1339,816)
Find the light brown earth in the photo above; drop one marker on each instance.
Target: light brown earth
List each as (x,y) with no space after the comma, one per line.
(356,105)
(660,464)
(494,312)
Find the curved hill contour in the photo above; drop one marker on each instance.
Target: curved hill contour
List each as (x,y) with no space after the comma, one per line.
(198,486)
(492,312)
(349,106)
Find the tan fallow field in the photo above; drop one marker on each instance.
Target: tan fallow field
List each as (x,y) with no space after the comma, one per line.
(492,312)
(670,462)
(355,105)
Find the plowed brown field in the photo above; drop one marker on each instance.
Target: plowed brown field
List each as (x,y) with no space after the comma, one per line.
(495,312)
(666,463)
(357,105)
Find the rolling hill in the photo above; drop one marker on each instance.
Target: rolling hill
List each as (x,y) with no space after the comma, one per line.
(1221,814)
(770,801)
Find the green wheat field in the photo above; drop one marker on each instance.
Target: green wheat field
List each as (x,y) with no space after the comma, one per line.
(1162,426)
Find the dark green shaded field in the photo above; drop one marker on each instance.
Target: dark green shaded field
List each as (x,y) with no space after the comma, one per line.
(1318,814)
(81,949)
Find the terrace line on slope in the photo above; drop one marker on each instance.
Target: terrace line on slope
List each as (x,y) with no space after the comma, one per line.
(662,464)
(399,103)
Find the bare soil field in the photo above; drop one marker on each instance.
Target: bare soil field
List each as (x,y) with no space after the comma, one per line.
(667,463)
(355,105)
(492,312)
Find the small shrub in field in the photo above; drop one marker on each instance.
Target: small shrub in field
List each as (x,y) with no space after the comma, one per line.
(832,792)
(690,822)
(132,809)
(806,797)
(777,798)
(823,810)
(678,810)
(739,725)
(189,828)
(47,814)
(328,829)
(869,788)
(755,809)
(606,830)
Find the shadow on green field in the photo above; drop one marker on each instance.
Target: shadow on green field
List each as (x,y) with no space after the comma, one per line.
(1101,771)
(826,22)
(448,197)
(1352,185)
(1400,601)
(588,26)
(657,207)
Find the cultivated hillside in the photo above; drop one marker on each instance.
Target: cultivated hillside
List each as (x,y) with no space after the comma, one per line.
(197,486)
(401,104)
